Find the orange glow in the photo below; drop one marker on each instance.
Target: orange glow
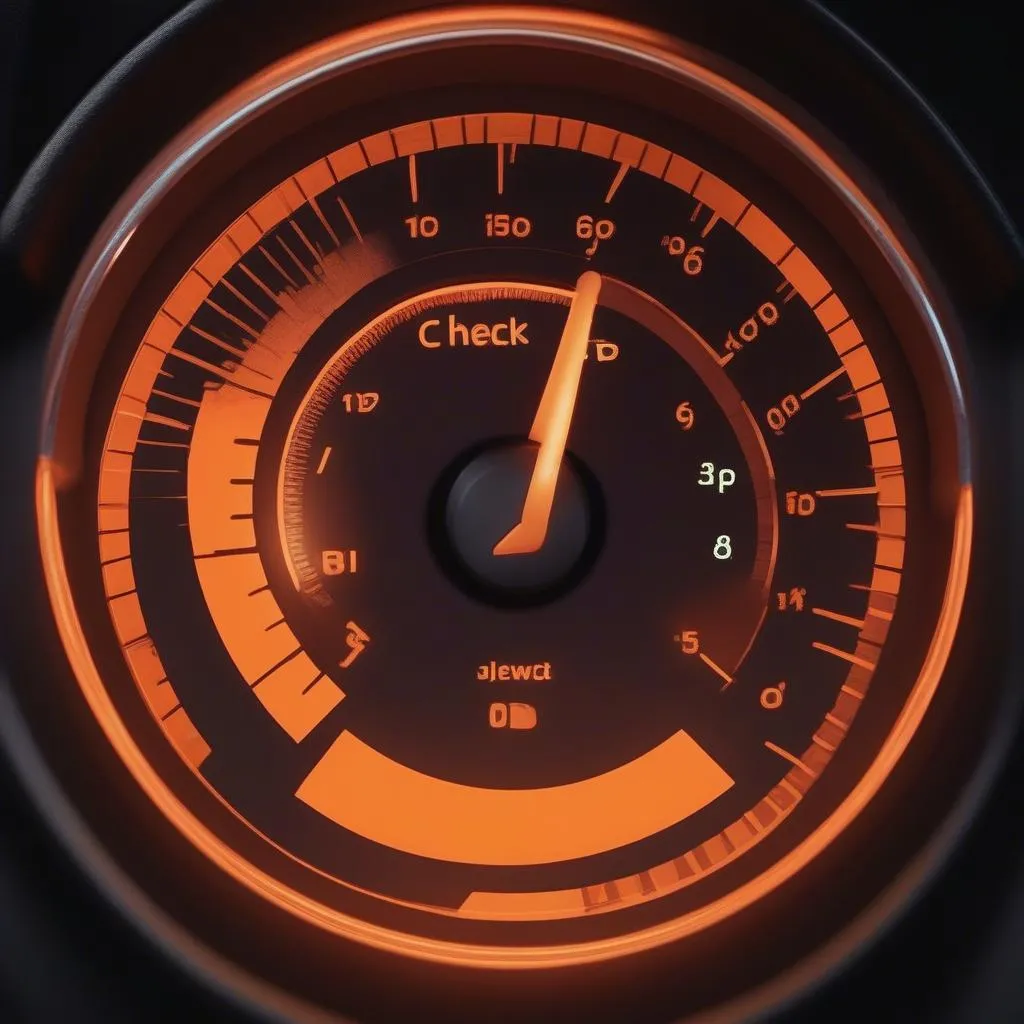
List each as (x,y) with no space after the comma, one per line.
(185,738)
(805,277)
(860,367)
(405,810)
(279,345)
(721,197)
(298,696)
(245,613)
(763,234)
(219,499)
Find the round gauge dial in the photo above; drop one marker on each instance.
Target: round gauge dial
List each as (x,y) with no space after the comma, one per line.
(506,507)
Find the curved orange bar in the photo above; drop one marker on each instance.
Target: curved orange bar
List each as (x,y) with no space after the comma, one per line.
(369,794)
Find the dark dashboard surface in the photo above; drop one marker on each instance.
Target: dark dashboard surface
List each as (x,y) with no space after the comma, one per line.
(957,956)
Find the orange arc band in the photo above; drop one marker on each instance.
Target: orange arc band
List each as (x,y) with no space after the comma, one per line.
(403,809)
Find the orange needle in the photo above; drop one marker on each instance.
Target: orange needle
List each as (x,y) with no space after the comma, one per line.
(551,424)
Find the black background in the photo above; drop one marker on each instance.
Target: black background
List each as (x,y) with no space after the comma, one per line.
(958,956)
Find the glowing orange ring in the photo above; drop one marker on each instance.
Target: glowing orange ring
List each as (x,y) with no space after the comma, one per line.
(654,50)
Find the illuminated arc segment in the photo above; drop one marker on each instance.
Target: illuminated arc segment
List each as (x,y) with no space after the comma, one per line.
(368,793)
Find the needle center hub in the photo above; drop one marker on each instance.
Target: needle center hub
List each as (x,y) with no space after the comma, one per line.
(478,501)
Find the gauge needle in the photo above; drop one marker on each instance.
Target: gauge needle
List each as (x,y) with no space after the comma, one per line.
(551,424)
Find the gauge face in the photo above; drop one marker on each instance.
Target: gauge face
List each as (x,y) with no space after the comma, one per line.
(508,515)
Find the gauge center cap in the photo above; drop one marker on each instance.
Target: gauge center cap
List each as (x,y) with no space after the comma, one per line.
(477,502)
